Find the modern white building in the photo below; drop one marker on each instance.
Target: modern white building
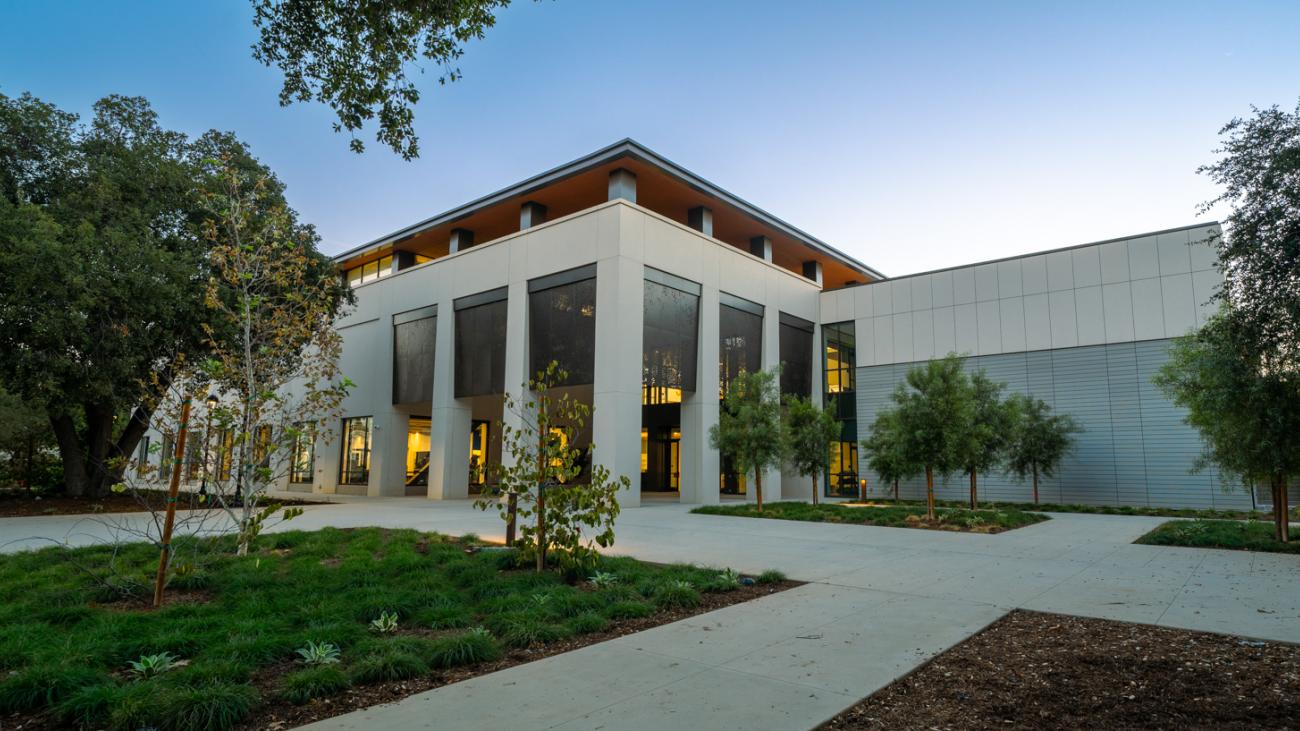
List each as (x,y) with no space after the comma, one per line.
(652,287)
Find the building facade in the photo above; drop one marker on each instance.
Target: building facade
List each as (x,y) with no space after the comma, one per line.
(652,288)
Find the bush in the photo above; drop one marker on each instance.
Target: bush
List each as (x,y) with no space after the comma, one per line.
(771,576)
(42,686)
(390,665)
(210,707)
(474,646)
(314,682)
(677,594)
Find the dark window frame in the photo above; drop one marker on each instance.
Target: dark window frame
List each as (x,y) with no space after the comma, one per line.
(346,475)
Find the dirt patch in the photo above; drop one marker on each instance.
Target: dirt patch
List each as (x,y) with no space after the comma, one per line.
(275,714)
(15,504)
(1045,671)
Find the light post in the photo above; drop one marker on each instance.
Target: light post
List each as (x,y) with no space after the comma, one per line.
(211,402)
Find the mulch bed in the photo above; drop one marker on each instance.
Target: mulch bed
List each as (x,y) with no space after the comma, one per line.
(16,504)
(1031,670)
(276,714)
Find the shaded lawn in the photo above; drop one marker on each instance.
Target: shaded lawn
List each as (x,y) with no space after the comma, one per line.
(65,641)
(1230,534)
(1108,509)
(884,514)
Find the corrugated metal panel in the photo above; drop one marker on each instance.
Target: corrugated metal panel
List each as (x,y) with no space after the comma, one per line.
(1135,449)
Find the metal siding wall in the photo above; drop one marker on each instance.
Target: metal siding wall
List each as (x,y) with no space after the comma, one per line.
(1135,449)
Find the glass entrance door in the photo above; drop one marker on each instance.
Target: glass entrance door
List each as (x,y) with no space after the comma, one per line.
(661,463)
(417,455)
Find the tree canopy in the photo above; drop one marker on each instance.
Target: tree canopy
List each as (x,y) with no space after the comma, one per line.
(355,56)
(1039,439)
(749,426)
(988,432)
(809,432)
(934,405)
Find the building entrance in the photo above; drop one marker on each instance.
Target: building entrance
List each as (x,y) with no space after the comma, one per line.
(661,438)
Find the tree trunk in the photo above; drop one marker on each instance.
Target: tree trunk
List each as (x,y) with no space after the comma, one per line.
(929,492)
(758,488)
(973,501)
(1035,486)
(895,489)
(1281,510)
(173,487)
(814,488)
(541,501)
(27,466)
(74,466)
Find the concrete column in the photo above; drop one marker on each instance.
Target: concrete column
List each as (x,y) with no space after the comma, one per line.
(461,239)
(449,418)
(761,246)
(531,214)
(813,270)
(388,454)
(325,462)
(622,184)
(516,355)
(701,219)
(771,358)
(616,393)
(701,463)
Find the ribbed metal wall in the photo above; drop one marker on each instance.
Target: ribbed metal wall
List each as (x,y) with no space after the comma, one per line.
(1135,449)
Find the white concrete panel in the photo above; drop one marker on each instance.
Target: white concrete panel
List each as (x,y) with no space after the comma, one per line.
(882,301)
(1179,304)
(1038,323)
(1205,284)
(1087,266)
(1010,279)
(863,301)
(903,337)
(864,330)
(1117,303)
(963,286)
(1089,315)
(1175,254)
(1148,310)
(1012,317)
(883,337)
(1114,262)
(986,282)
(1060,271)
(829,310)
(945,331)
(989,327)
(941,289)
(1202,248)
(923,334)
(1065,329)
(1143,262)
(901,290)
(921,295)
(1034,271)
(966,323)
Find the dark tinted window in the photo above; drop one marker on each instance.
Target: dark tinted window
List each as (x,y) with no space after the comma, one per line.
(668,351)
(413,344)
(481,349)
(740,345)
(562,327)
(796,359)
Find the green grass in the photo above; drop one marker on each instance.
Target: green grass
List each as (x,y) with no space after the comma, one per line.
(889,515)
(1230,534)
(65,642)
(1206,513)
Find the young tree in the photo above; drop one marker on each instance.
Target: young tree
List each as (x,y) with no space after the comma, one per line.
(749,427)
(934,407)
(1244,402)
(1039,438)
(883,449)
(545,472)
(988,431)
(809,432)
(354,56)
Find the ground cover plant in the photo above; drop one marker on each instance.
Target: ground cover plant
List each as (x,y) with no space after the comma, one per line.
(886,514)
(1231,534)
(1207,513)
(16,503)
(288,633)
(1047,671)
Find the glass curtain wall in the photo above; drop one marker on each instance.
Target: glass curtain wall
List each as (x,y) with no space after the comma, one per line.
(669,359)
(796,349)
(562,324)
(414,336)
(839,365)
(740,350)
(303,466)
(355,465)
(480,338)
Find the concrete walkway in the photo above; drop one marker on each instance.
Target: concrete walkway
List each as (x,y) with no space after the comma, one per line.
(880,602)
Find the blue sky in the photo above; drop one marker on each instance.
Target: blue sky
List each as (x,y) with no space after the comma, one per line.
(911,135)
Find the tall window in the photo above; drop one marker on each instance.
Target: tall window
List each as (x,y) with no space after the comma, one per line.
(225,453)
(740,339)
(480,343)
(839,363)
(194,458)
(355,469)
(413,344)
(142,459)
(669,337)
(371,271)
(562,324)
(796,348)
(166,459)
(262,446)
(304,454)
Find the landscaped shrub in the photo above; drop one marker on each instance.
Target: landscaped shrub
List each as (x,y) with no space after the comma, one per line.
(771,576)
(451,617)
(628,610)
(725,580)
(418,646)
(390,665)
(211,670)
(467,648)
(677,594)
(89,706)
(314,682)
(44,685)
(526,629)
(585,624)
(210,707)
